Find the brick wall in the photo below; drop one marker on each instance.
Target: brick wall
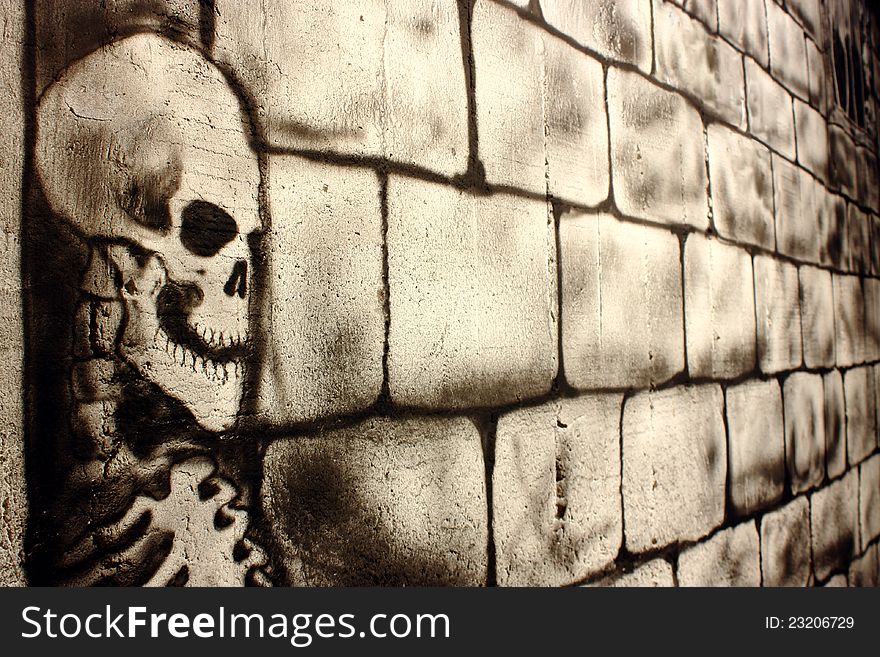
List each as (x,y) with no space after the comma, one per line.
(554,292)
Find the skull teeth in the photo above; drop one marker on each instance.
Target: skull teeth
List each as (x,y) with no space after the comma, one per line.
(184,357)
(217,339)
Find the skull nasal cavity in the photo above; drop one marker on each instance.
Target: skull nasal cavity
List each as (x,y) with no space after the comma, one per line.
(205,228)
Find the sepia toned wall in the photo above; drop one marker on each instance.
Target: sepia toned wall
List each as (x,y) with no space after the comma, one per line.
(544,292)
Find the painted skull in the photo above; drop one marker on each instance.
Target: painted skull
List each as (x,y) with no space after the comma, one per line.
(142,145)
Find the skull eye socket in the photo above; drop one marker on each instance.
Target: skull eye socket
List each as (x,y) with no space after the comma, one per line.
(205,228)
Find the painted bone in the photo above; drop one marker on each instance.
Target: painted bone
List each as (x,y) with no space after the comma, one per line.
(142,144)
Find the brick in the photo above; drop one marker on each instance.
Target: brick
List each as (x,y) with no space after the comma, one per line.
(788,51)
(838,581)
(861,422)
(834,525)
(755,445)
(867,179)
(835,424)
(657,154)
(771,117)
(382,502)
(817,316)
(472,297)
(730,558)
(556,491)
(742,187)
(719,309)
(576,124)
(833,242)
(803,398)
(778,315)
(704,10)
(617,29)
(324,325)
(674,466)
(812,139)
(872,318)
(849,320)
(509,97)
(785,545)
(794,193)
(744,22)
(13,487)
(655,573)
(841,161)
(622,319)
(865,571)
(362,78)
(691,59)
(818,77)
(858,231)
(875,244)
(807,13)
(869,500)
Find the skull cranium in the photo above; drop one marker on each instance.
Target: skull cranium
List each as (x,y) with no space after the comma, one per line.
(143,145)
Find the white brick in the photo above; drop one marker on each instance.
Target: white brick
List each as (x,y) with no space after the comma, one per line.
(868,179)
(833,243)
(796,213)
(849,320)
(771,117)
(657,154)
(507,55)
(617,29)
(556,491)
(755,447)
(869,500)
(360,77)
(655,573)
(742,187)
(730,558)
(323,322)
(719,309)
(778,315)
(473,297)
(785,545)
(834,525)
(812,139)
(818,77)
(804,399)
(875,244)
(861,422)
(704,10)
(382,502)
(835,424)
(807,13)
(788,51)
(691,59)
(817,316)
(577,127)
(674,466)
(745,23)
(872,318)
(842,161)
(622,322)
(865,571)
(858,232)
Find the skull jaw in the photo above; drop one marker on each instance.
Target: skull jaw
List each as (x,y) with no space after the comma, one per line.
(210,389)
(213,399)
